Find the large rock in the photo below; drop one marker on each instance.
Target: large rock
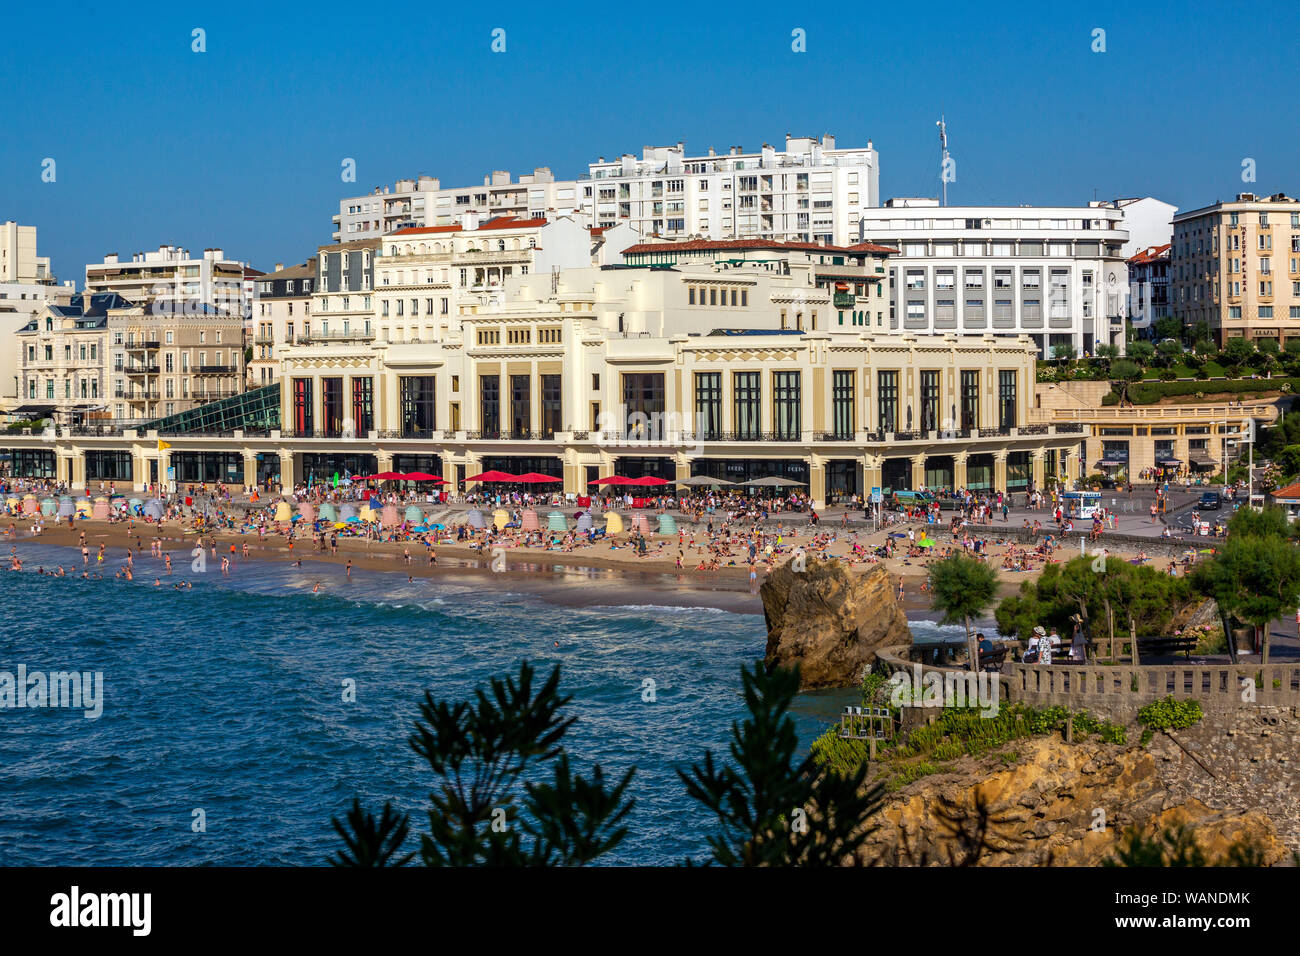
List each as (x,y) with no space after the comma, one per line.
(1043,811)
(829,621)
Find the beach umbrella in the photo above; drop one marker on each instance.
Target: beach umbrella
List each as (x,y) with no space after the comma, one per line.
(388,476)
(925,543)
(491,476)
(533,478)
(555,521)
(500,518)
(328,512)
(423,476)
(353,520)
(339,525)
(528,522)
(667,524)
(584,522)
(613,522)
(704,481)
(773,482)
(474,518)
(611,480)
(388,516)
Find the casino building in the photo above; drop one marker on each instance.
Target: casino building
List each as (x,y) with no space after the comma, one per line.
(734,359)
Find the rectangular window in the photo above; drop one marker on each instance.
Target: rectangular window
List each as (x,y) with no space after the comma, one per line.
(929,400)
(970,399)
(708,406)
(550,405)
(643,404)
(363,405)
(303,419)
(843,407)
(332,406)
(747,405)
(419,405)
(786,406)
(887,397)
(1007,398)
(489,391)
(521,405)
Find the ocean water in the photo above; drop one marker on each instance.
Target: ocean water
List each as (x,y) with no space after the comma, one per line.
(228,697)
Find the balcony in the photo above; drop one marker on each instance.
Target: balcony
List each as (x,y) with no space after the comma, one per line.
(142,369)
(140,345)
(216,369)
(331,338)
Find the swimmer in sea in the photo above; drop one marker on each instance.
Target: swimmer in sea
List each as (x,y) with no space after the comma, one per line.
(157,582)
(315,587)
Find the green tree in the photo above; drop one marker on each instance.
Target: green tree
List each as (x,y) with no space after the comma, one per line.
(1063,352)
(1123,373)
(1254,577)
(962,588)
(1238,351)
(1200,333)
(490,759)
(776,810)
(1142,353)
(1168,327)
(1170,351)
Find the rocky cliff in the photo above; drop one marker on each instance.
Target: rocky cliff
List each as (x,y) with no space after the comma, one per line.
(829,621)
(1056,804)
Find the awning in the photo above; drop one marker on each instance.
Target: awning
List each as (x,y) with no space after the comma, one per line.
(33,410)
(1109,462)
(1169,462)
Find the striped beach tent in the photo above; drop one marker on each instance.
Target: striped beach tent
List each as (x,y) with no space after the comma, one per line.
(555,521)
(667,524)
(613,522)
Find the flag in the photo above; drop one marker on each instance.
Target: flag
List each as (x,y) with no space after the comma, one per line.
(163,444)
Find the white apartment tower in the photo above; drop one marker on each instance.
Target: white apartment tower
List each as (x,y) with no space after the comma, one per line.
(810,190)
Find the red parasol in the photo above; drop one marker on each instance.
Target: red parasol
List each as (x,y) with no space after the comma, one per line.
(646,481)
(611,480)
(532,477)
(491,476)
(422,476)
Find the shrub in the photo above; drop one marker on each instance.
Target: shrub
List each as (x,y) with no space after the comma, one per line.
(835,754)
(1170,713)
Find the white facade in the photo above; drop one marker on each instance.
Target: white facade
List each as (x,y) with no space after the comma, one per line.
(1149,221)
(174,279)
(18,259)
(1056,274)
(19,304)
(810,191)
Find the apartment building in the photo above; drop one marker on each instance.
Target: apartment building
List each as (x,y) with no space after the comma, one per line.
(20,303)
(174,279)
(811,190)
(424,202)
(62,354)
(1236,266)
(1055,274)
(165,363)
(1148,221)
(281,307)
(19,262)
(1148,275)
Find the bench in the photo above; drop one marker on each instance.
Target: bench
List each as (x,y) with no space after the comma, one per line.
(1161,646)
(992,660)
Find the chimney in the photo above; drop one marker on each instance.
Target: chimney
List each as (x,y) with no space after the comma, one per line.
(278,267)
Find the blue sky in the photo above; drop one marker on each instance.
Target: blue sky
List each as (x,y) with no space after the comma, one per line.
(240,147)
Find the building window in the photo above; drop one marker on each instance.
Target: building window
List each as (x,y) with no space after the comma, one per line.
(643,403)
(419,405)
(887,396)
(786,405)
(490,404)
(708,406)
(303,420)
(551,405)
(843,408)
(929,400)
(332,405)
(363,405)
(747,407)
(970,399)
(521,405)
(1007,398)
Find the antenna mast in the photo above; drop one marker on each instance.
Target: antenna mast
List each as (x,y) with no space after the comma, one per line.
(943,158)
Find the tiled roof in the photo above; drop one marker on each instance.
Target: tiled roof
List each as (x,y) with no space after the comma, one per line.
(500,222)
(1149,254)
(1290,491)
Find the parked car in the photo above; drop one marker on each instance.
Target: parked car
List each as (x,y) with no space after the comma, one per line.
(1210,501)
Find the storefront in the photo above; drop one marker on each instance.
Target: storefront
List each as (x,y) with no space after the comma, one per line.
(327,466)
(31,463)
(109,466)
(208,467)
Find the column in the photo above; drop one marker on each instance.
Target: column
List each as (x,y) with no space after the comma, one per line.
(959,470)
(250,468)
(1038,470)
(817,481)
(871,474)
(1071,465)
(449,474)
(78,467)
(287,470)
(1000,470)
(918,471)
